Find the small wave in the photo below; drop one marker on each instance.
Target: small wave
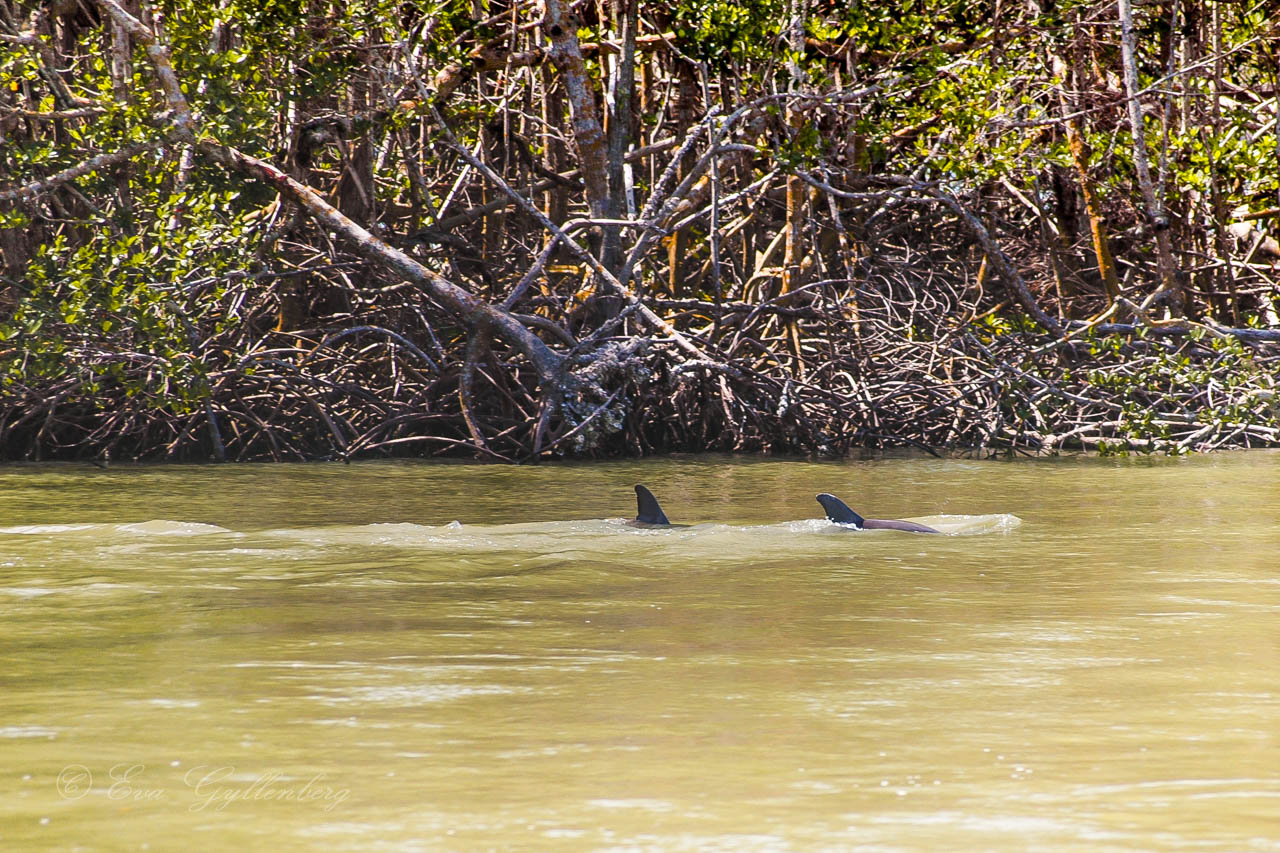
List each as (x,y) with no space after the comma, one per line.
(48,529)
(969,525)
(161,527)
(157,527)
(601,538)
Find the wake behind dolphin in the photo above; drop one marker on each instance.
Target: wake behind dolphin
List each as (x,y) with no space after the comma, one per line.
(839,512)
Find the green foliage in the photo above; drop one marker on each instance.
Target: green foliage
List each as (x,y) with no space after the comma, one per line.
(721,32)
(804,147)
(1160,392)
(132,307)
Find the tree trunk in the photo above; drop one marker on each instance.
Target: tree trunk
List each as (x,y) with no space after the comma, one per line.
(1157,217)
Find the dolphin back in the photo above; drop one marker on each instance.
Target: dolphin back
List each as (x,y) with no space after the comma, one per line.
(648,511)
(838,511)
(885,524)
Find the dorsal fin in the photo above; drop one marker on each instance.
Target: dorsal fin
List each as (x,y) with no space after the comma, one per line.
(838,511)
(647,509)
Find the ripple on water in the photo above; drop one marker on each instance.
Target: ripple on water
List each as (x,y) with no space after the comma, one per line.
(411,695)
(26,591)
(28,731)
(1021,825)
(160,702)
(94,589)
(640,803)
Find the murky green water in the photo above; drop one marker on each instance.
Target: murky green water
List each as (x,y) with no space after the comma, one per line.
(316,658)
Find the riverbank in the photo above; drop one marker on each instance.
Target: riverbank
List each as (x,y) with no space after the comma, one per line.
(887,380)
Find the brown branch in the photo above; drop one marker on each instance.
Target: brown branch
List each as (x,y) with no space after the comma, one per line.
(561,27)
(180,112)
(994,254)
(469,306)
(93,164)
(561,179)
(477,348)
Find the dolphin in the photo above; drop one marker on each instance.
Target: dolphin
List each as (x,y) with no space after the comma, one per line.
(648,512)
(840,513)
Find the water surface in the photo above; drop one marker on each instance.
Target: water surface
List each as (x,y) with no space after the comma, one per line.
(414,656)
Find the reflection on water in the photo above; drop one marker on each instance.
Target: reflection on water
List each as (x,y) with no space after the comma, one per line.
(408,656)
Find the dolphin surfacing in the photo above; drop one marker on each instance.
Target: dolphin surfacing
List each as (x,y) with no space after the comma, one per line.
(648,512)
(839,512)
